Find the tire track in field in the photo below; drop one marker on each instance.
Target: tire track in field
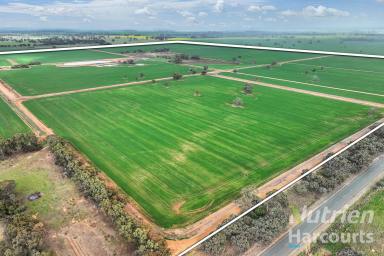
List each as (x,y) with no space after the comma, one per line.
(318,94)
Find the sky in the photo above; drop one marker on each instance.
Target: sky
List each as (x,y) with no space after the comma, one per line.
(195,15)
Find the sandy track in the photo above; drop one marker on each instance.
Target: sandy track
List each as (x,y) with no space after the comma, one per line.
(283,62)
(112,53)
(13,99)
(318,94)
(310,84)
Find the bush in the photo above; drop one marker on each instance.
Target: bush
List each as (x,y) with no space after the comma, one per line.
(177,76)
(336,171)
(19,143)
(23,234)
(260,226)
(107,199)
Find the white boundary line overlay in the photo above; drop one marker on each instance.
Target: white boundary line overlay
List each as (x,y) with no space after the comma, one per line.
(201,44)
(230,46)
(268,198)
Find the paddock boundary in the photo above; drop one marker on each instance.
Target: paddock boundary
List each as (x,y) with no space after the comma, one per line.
(279,191)
(345,54)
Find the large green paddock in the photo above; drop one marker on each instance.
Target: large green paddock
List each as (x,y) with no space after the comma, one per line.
(368,83)
(10,123)
(181,157)
(49,79)
(229,55)
(55,57)
(309,87)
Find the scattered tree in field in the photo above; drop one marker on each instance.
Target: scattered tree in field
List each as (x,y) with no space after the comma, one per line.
(177,59)
(153,81)
(195,57)
(141,75)
(129,62)
(274,63)
(197,93)
(238,102)
(234,71)
(205,70)
(177,76)
(247,89)
(192,71)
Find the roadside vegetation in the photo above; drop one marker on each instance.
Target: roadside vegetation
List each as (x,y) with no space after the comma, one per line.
(260,227)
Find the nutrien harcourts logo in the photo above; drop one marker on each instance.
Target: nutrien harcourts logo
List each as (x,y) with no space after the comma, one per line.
(298,237)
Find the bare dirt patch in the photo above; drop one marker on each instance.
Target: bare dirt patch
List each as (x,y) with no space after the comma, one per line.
(177,206)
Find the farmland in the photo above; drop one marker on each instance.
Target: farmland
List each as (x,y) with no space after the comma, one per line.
(10,123)
(353,43)
(230,57)
(181,149)
(48,79)
(358,78)
(55,57)
(167,148)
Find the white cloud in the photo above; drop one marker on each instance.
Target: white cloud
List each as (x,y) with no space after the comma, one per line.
(380,1)
(317,11)
(144,10)
(219,6)
(43,18)
(261,8)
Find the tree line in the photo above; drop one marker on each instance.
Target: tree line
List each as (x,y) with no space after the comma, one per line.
(109,200)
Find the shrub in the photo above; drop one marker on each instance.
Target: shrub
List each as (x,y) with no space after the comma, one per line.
(23,234)
(19,143)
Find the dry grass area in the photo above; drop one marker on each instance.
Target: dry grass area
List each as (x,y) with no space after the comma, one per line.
(75,227)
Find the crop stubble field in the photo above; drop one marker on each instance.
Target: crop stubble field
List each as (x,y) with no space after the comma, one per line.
(180,156)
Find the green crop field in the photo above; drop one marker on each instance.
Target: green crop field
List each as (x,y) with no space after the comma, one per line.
(181,157)
(309,87)
(10,123)
(363,65)
(49,79)
(365,44)
(369,82)
(56,57)
(4,62)
(229,55)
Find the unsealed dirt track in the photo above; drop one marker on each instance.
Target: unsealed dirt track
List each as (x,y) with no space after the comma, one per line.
(13,99)
(318,94)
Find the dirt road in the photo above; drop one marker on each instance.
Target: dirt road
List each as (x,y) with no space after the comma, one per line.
(13,99)
(310,84)
(318,94)
(26,98)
